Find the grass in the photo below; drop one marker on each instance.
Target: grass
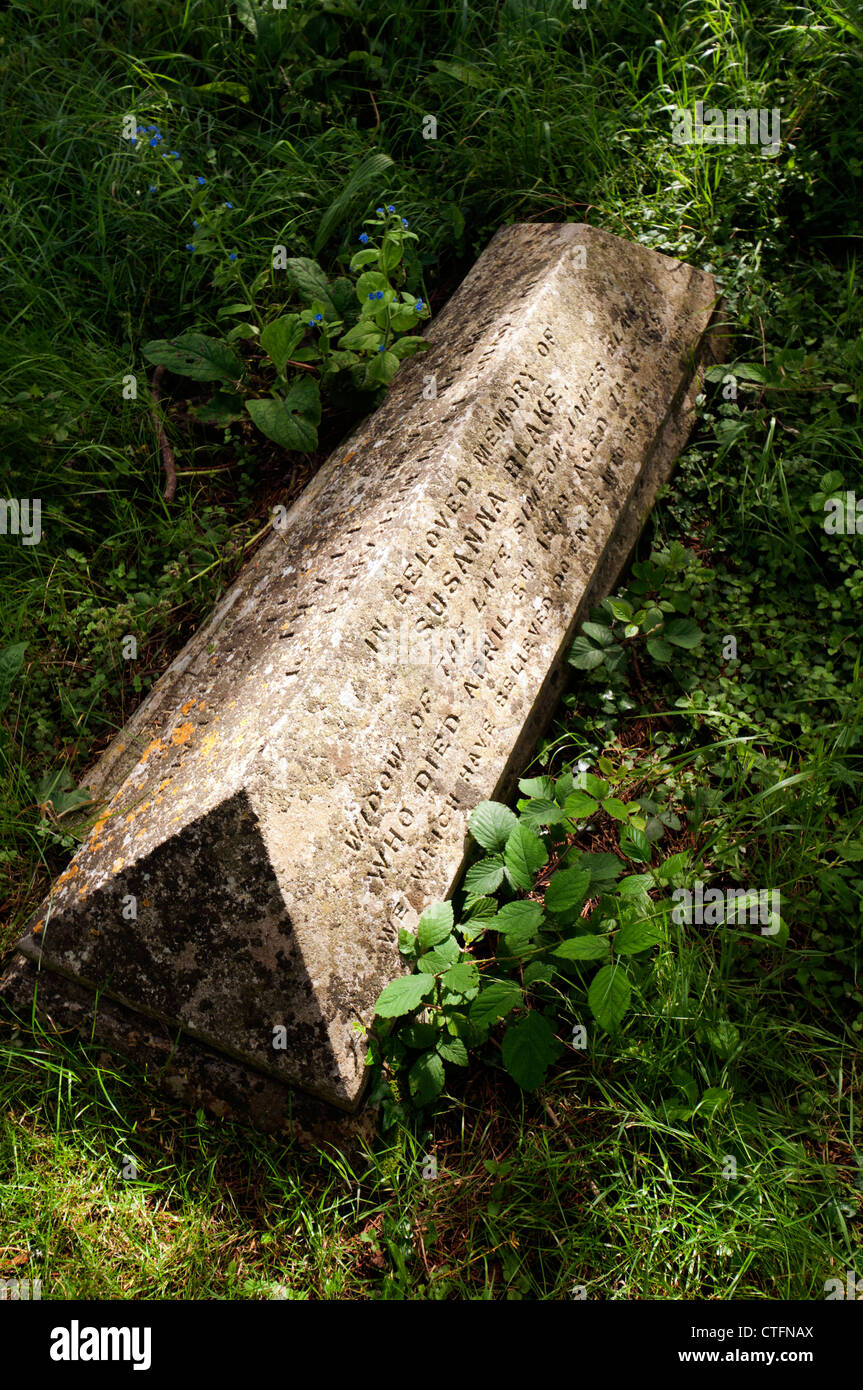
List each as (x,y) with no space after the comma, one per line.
(612,1179)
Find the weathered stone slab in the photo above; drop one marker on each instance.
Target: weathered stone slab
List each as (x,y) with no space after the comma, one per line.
(297,786)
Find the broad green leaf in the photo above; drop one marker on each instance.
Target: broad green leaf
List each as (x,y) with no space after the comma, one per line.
(529,1048)
(281,337)
(635,844)
(484,877)
(495,1001)
(406,347)
(584,655)
(11,661)
(407,943)
(615,808)
(435,925)
(608,997)
(524,856)
(583,948)
(462,978)
(638,936)
(373,282)
(620,609)
(540,787)
(604,869)
(659,650)
(426,1078)
(439,958)
(491,824)
(522,916)
(683,632)
(538,971)
(308,279)
(635,885)
(594,786)
(567,889)
(291,421)
(580,806)
(453,1050)
(540,812)
(368,256)
(365,336)
(381,369)
(196,356)
(404,995)
(599,633)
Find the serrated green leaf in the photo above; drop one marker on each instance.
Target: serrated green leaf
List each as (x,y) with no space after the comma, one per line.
(585,947)
(529,1048)
(659,650)
(567,889)
(484,877)
(584,656)
(580,806)
(435,925)
(495,1001)
(594,786)
(683,632)
(521,916)
(599,633)
(619,609)
(407,943)
(538,972)
(404,995)
(539,787)
(453,1050)
(540,812)
(524,856)
(491,824)
(462,978)
(638,936)
(439,958)
(608,997)
(635,844)
(616,808)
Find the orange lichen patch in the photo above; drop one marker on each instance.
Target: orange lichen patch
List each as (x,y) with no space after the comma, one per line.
(157,746)
(182,733)
(213,660)
(94,833)
(40,926)
(352,455)
(136,812)
(187,706)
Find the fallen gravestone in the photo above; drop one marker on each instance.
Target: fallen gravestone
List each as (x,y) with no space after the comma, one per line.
(297,785)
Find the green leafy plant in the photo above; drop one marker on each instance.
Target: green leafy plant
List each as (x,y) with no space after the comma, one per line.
(653,612)
(541,926)
(359,326)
